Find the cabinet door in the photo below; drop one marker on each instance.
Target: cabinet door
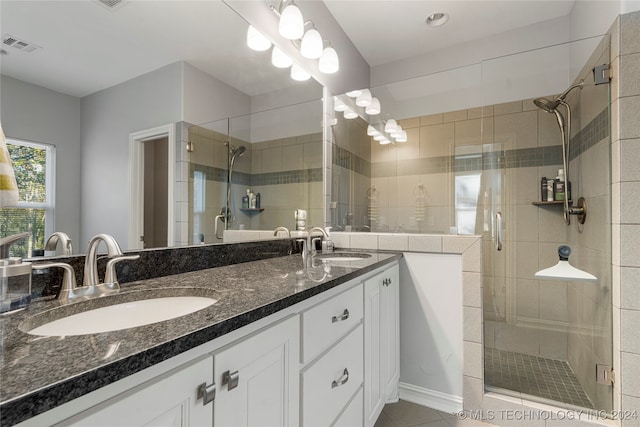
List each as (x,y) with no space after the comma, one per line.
(391,334)
(171,401)
(258,383)
(373,387)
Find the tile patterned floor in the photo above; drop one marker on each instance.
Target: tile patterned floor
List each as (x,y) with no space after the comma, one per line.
(407,414)
(536,376)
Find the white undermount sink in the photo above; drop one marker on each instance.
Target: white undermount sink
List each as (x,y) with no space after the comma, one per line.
(123,316)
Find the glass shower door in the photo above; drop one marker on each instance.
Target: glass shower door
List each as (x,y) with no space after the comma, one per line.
(544,339)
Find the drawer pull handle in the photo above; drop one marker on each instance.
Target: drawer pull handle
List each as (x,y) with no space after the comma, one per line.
(342,380)
(345,316)
(230,378)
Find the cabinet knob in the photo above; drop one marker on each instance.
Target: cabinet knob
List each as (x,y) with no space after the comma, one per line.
(345,316)
(207,393)
(342,380)
(231,379)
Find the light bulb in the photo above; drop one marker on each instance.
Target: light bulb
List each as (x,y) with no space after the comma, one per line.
(364,100)
(385,142)
(379,137)
(403,137)
(390,126)
(311,45)
(256,41)
(354,93)
(338,105)
(297,73)
(280,59)
(371,131)
(350,114)
(374,108)
(329,62)
(291,25)
(397,133)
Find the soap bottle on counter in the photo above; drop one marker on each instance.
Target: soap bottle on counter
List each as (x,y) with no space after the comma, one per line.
(15,277)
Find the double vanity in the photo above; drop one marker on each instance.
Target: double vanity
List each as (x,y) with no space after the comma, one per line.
(275,342)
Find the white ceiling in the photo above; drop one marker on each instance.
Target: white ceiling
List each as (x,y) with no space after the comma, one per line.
(386,31)
(86,48)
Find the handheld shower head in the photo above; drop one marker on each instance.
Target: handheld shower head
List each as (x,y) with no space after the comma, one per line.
(546,104)
(237,151)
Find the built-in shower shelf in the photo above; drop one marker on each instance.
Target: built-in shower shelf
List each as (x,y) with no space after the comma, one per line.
(555,202)
(251,210)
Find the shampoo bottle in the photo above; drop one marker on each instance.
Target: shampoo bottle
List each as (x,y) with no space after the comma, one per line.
(560,190)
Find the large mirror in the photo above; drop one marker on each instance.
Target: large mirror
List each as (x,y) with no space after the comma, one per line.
(118,92)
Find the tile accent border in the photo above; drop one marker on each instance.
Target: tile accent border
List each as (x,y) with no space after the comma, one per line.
(252,180)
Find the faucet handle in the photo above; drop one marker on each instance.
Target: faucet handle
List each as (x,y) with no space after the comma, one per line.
(68,278)
(110,277)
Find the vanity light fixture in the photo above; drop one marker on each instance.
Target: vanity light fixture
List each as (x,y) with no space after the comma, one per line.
(437,19)
(311,46)
(280,59)
(329,62)
(299,74)
(371,131)
(291,24)
(338,105)
(256,41)
(397,133)
(402,137)
(385,141)
(350,114)
(390,126)
(373,108)
(354,93)
(364,99)
(379,137)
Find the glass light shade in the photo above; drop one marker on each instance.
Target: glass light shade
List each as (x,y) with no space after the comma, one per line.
(280,59)
(338,105)
(297,73)
(385,142)
(364,100)
(371,131)
(256,41)
(350,114)
(390,126)
(311,46)
(403,137)
(291,25)
(374,107)
(354,93)
(329,62)
(379,137)
(397,133)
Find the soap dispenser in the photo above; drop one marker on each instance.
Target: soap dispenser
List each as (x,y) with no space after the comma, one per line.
(15,277)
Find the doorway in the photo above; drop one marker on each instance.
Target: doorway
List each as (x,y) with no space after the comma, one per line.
(156,189)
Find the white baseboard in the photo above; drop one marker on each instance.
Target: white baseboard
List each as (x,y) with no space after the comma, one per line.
(430,398)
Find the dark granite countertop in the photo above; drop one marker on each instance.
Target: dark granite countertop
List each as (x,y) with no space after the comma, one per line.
(39,373)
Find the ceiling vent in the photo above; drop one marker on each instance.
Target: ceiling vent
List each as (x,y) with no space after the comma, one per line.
(16,43)
(112,4)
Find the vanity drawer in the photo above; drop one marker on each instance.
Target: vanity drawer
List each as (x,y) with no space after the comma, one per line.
(353,415)
(331,381)
(325,323)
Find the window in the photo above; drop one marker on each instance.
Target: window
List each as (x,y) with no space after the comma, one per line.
(33,165)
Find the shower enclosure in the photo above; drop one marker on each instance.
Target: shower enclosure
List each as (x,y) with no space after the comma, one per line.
(547,340)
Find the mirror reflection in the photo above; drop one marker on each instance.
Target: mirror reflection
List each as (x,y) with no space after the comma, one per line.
(121,106)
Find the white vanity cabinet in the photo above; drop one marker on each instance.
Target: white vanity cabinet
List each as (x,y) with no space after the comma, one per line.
(332,372)
(381,342)
(170,401)
(256,384)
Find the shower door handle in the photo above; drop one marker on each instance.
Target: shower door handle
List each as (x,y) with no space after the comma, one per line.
(498,231)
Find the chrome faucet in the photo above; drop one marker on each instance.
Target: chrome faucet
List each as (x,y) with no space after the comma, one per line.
(91,260)
(65,243)
(327,244)
(281,228)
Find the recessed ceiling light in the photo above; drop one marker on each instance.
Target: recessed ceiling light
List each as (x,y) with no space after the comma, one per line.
(437,19)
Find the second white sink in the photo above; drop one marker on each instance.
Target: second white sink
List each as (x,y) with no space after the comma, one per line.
(123,316)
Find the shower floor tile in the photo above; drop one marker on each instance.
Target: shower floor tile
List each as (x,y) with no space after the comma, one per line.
(534,375)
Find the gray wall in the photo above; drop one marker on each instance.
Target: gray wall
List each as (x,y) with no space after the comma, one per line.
(108,117)
(34,113)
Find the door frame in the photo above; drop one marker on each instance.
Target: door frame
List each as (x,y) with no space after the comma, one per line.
(136,180)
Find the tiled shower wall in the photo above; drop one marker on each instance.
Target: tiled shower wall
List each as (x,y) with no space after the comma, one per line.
(287,173)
